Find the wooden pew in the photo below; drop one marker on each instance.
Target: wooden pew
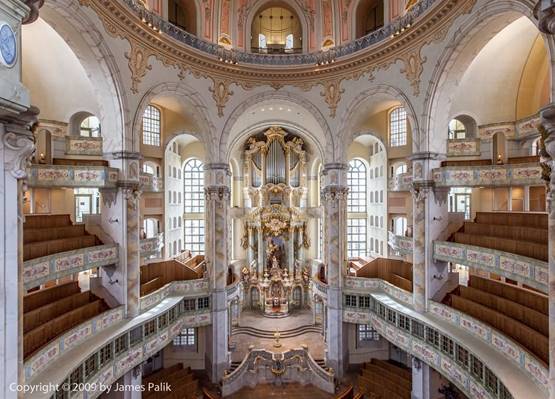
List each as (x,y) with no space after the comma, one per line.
(155,275)
(507,231)
(46,221)
(45,296)
(523,248)
(44,248)
(396,272)
(472,162)
(523,219)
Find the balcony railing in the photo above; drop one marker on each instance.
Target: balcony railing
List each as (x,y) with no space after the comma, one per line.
(78,145)
(401,182)
(400,244)
(40,270)
(152,247)
(531,272)
(463,147)
(71,176)
(494,175)
(151,183)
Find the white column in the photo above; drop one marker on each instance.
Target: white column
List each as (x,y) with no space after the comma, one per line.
(260,252)
(334,200)
(216,177)
(526,198)
(420,380)
(250,249)
(291,251)
(133,378)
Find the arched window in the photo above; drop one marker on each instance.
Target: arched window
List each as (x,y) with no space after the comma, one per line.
(457,130)
(151,126)
(193,196)
(400,224)
(262,41)
(398,127)
(357,182)
(90,127)
(147,168)
(400,169)
(289,42)
(357,218)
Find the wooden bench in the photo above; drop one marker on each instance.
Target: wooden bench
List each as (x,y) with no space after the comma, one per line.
(523,219)
(46,221)
(155,275)
(45,296)
(472,162)
(518,247)
(80,162)
(396,272)
(53,233)
(521,160)
(523,233)
(45,248)
(181,380)
(383,379)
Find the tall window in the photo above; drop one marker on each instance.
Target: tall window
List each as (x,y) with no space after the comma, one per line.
(398,127)
(187,337)
(356,180)
(262,41)
(151,126)
(367,333)
(90,127)
(289,42)
(193,195)
(357,222)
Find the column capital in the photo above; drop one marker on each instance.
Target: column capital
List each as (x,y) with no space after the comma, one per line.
(544,11)
(420,190)
(18,141)
(217,193)
(334,193)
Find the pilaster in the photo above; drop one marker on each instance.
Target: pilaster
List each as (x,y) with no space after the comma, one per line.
(334,199)
(217,197)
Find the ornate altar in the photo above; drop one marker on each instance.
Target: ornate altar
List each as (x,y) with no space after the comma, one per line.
(275,224)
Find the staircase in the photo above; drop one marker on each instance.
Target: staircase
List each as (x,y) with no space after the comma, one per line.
(234,366)
(294,332)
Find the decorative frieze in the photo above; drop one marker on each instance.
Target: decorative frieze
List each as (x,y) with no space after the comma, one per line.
(463,147)
(401,182)
(72,176)
(175,288)
(78,145)
(531,272)
(400,244)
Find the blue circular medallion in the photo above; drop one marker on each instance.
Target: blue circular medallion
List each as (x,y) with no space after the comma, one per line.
(8,45)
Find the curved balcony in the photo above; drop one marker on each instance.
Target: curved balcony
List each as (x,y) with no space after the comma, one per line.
(151,184)
(463,147)
(529,271)
(319,288)
(72,176)
(401,182)
(451,342)
(401,245)
(124,343)
(529,174)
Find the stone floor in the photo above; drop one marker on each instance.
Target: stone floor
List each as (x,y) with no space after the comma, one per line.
(314,341)
(289,391)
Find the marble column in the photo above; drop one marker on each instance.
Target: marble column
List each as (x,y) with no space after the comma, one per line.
(547,153)
(121,220)
(421,380)
(261,252)
(291,251)
(17,117)
(250,249)
(430,219)
(133,378)
(334,201)
(217,194)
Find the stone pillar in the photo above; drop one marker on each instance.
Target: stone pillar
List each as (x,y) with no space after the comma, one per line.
(133,378)
(17,117)
(420,380)
(430,219)
(121,220)
(291,251)
(526,205)
(261,251)
(334,200)
(216,177)
(547,153)
(250,249)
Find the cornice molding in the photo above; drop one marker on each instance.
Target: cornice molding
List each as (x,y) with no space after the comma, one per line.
(121,21)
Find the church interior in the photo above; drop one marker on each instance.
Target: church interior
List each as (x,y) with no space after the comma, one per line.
(336,199)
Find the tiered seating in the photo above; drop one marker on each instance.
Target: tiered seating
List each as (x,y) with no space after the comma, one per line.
(53,311)
(356,264)
(79,162)
(182,383)
(519,313)
(396,272)
(384,380)
(472,162)
(518,233)
(50,234)
(155,275)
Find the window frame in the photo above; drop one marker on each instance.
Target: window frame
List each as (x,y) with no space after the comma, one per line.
(152,137)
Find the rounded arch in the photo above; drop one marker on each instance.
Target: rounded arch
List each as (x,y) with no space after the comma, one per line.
(289,4)
(350,132)
(481,27)
(205,134)
(325,144)
(194,22)
(75,121)
(358,25)
(81,34)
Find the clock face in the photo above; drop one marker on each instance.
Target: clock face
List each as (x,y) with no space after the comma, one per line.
(8,45)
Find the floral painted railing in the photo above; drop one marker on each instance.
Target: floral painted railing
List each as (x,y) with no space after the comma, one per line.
(151,183)
(152,247)
(511,130)
(401,245)
(531,272)
(78,145)
(401,182)
(175,288)
(463,147)
(72,176)
(319,288)
(495,175)
(40,270)
(264,367)
(132,343)
(233,290)
(361,285)
(72,339)
(519,356)
(451,351)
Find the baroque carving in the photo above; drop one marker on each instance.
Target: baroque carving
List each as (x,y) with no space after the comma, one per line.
(335,193)
(217,193)
(332,94)
(138,64)
(414,66)
(221,93)
(421,190)
(19,142)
